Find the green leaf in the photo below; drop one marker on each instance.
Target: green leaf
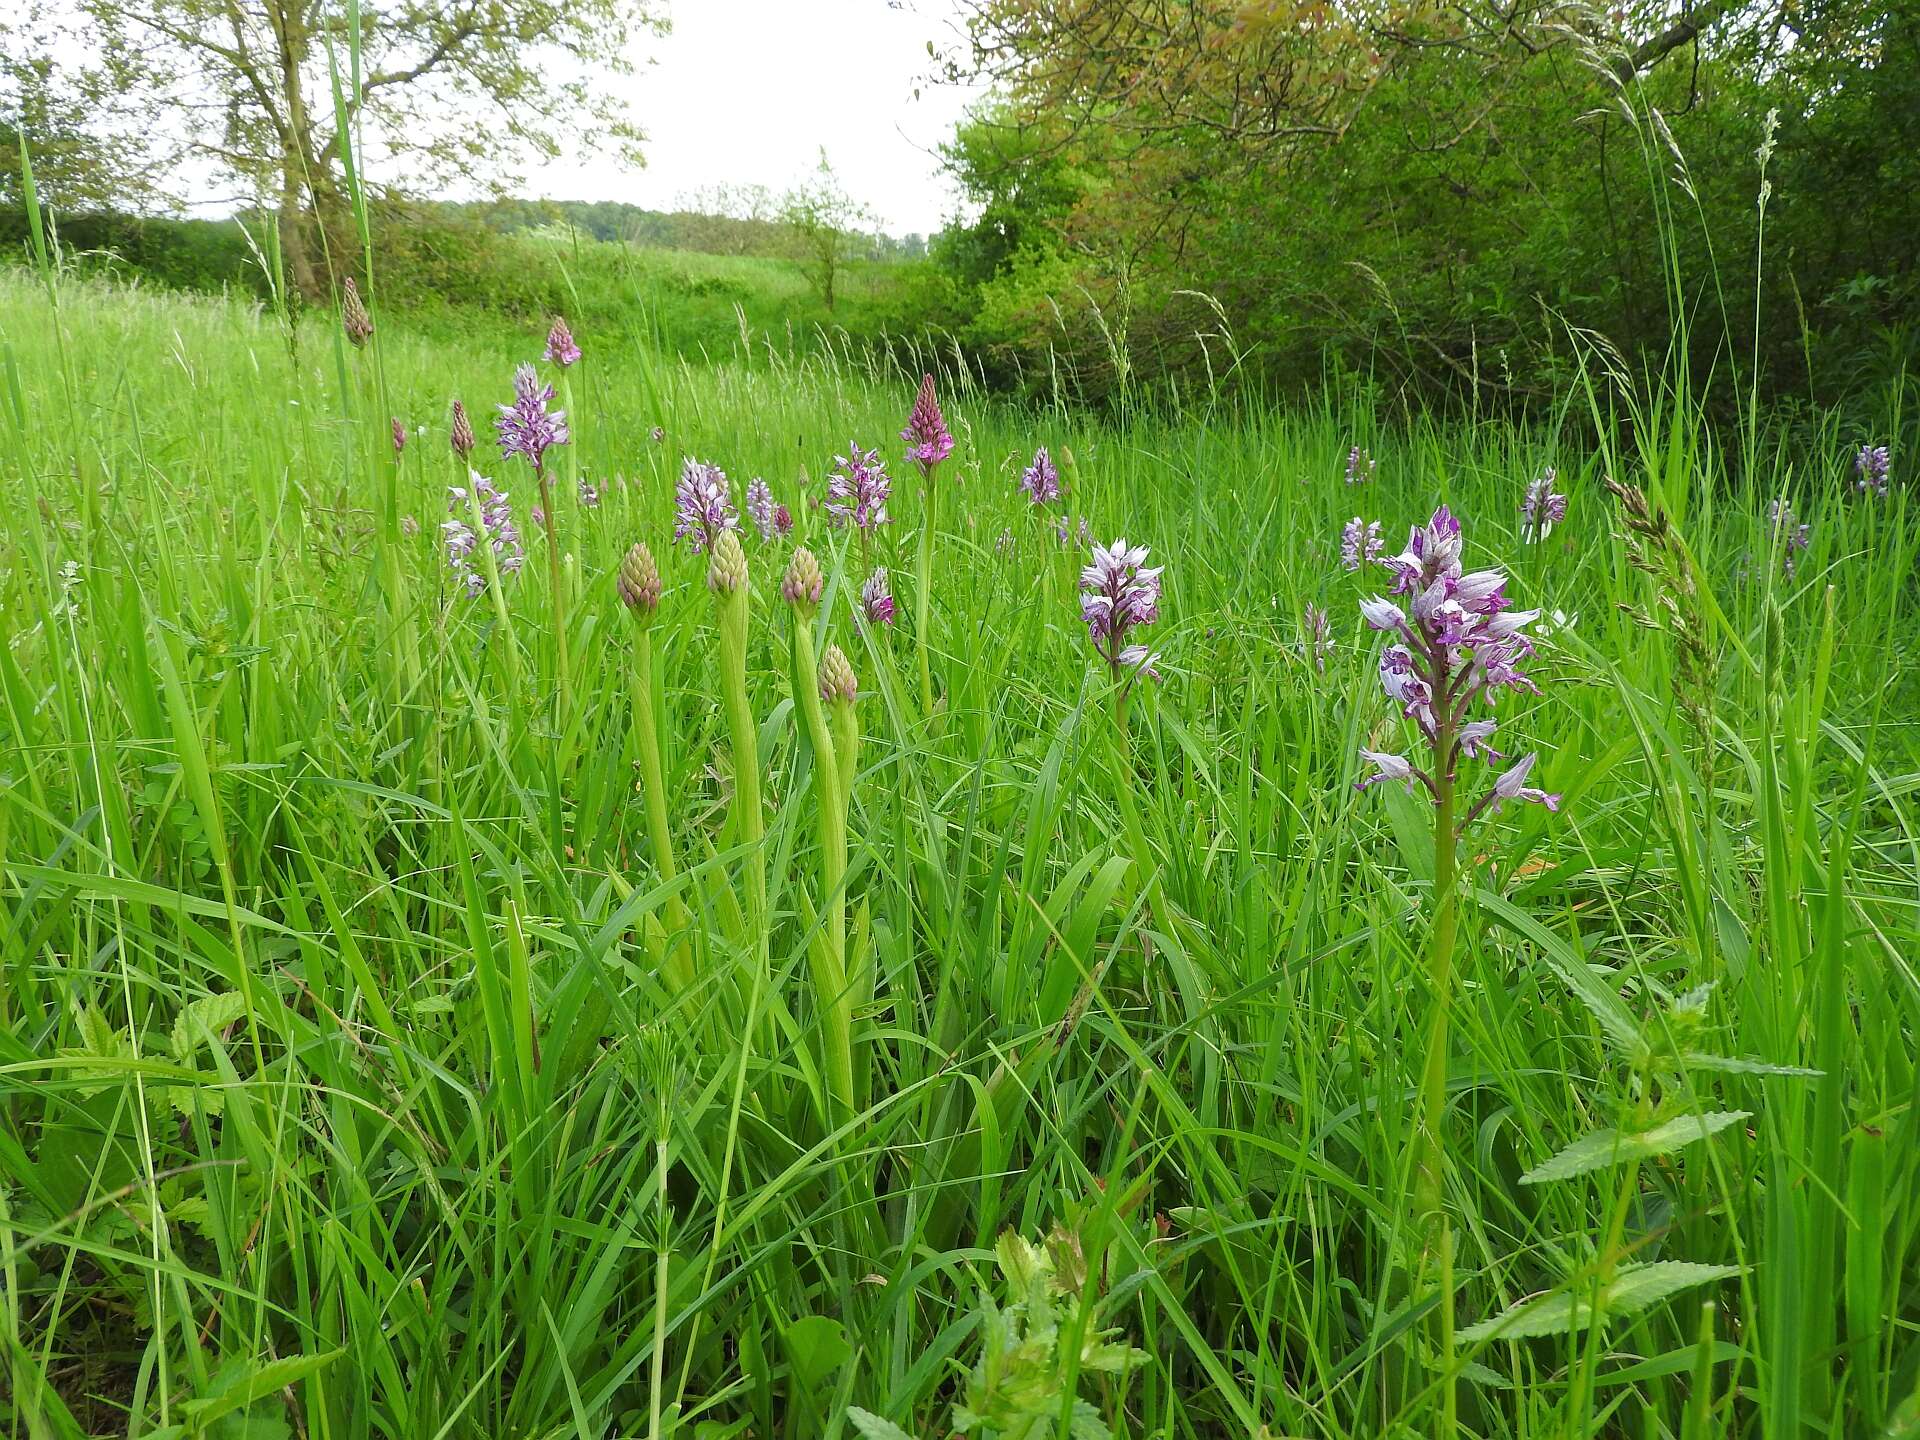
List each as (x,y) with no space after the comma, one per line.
(1634,1288)
(1739,1065)
(237,1389)
(1609,1147)
(206,1017)
(875,1427)
(816,1347)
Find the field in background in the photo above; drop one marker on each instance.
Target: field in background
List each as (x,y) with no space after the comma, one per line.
(341,1095)
(453,277)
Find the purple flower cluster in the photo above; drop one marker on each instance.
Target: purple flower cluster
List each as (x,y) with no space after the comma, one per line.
(1119,591)
(1360,543)
(876,599)
(1789,537)
(926,434)
(496,523)
(561,350)
(1541,507)
(1063,531)
(1456,639)
(858,488)
(589,494)
(702,505)
(527,427)
(1359,467)
(1870,468)
(766,515)
(1040,482)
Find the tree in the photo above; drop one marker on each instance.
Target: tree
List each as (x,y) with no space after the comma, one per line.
(427,91)
(1434,186)
(828,227)
(87,152)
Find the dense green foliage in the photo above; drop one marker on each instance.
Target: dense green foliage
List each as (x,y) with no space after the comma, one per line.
(344,1093)
(1437,193)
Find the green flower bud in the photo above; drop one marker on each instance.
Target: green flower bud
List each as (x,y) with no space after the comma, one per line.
(639,583)
(836,677)
(727,571)
(804,582)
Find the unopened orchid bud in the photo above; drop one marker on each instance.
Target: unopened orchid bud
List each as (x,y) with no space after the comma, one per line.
(461,435)
(837,682)
(638,583)
(803,583)
(353,315)
(561,350)
(399,435)
(727,572)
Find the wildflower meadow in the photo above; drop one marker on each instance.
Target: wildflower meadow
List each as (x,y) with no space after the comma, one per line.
(553,889)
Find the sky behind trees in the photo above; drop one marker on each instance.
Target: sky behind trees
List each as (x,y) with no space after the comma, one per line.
(748,91)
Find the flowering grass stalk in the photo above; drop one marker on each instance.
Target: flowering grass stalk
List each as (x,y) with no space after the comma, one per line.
(928,443)
(638,585)
(727,578)
(528,428)
(802,588)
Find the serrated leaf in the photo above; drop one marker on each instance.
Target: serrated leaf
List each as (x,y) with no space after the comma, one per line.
(1739,1065)
(1610,1147)
(1634,1288)
(206,1017)
(875,1427)
(98,1035)
(1086,1423)
(241,1386)
(1480,1375)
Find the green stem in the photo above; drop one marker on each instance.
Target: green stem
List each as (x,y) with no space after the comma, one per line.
(828,954)
(1429,1152)
(646,731)
(749,824)
(923,597)
(559,587)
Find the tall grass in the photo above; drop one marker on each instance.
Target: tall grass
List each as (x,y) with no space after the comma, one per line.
(348,1086)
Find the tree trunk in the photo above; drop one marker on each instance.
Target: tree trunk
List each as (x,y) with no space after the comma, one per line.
(296,245)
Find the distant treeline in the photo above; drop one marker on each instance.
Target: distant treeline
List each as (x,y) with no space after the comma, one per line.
(703,231)
(430,254)
(687,282)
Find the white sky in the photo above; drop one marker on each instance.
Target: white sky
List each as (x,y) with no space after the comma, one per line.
(748,91)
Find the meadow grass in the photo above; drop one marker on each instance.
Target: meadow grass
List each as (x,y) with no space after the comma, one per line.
(347,1087)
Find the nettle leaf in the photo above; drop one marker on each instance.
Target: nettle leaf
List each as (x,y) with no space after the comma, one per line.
(1633,1289)
(875,1427)
(1610,1147)
(1739,1065)
(206,1017)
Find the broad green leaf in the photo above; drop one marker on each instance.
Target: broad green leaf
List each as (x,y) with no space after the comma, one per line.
(1610,1147)
(238,1389)
(203,1019)
(816,1347)
(875,1427)
(1634,1288)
